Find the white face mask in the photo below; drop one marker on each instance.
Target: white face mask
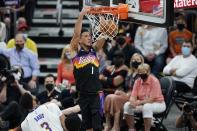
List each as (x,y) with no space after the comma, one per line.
(25,35)
(17,76)
(68,55)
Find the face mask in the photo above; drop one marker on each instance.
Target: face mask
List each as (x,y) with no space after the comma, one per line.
(19,47)
(49,87)
(68,55)
(143,76)
(118,62)
(185,51)
(17,76)
(135,64)
(25,35)
(120,41)
(180,26)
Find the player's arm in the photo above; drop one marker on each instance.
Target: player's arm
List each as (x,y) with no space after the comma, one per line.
(99,44)
(62,120)
(18,129)
(53,108)
(77,31)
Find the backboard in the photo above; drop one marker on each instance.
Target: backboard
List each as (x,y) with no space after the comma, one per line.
(151,12)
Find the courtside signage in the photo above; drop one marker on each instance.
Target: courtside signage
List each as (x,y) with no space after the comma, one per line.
(185,3)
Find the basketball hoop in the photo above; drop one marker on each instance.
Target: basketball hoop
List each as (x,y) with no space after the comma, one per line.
(104,20)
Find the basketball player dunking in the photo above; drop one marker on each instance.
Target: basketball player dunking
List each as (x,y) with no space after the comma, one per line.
(86,74)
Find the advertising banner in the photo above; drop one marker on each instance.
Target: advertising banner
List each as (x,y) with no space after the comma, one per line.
(185,3)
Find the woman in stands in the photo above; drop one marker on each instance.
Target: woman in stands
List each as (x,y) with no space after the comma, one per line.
(114,102)
(132,75)
(146,97)
(65,68)
(113,77)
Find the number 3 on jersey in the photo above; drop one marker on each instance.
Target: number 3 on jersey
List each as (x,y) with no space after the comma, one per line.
(45,125)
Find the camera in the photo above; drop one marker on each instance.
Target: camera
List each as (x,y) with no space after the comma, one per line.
(187,108)
(8,74)
(190,107)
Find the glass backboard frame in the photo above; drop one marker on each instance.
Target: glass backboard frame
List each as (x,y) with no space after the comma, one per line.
(139,17)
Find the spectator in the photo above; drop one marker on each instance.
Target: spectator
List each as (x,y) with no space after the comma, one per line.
(2,35)
(146,97)
(51,91)
(152,42)
(14,8)
(182,68)
(26,59)
(61,98)
(30,44)
(178,36)
(24,8)
(127,49)
(11,91)
(128,29)
(113,76)
(65,68)
(132,75)
(113,106)
(29,11)
(21,25)
(11,87)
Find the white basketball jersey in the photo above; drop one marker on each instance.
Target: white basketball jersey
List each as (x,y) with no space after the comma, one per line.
(44,118)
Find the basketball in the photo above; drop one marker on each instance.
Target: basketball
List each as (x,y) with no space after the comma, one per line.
(112,28)
(108,27)
(103,24)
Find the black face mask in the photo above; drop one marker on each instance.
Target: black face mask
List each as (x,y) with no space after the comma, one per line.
(180,26)
(135,64)
(143,76)
(120,41)
(19,47)
(118,62)
(49,87)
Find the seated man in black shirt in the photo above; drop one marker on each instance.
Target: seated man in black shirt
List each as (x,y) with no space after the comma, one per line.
(52,93)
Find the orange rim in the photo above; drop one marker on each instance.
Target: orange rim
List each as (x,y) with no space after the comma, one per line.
(103,10)
(121,9)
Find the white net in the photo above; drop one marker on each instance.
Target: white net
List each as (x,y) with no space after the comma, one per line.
(103,25)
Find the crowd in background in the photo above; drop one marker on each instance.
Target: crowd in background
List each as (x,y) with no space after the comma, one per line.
(121,64)
(17,16)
